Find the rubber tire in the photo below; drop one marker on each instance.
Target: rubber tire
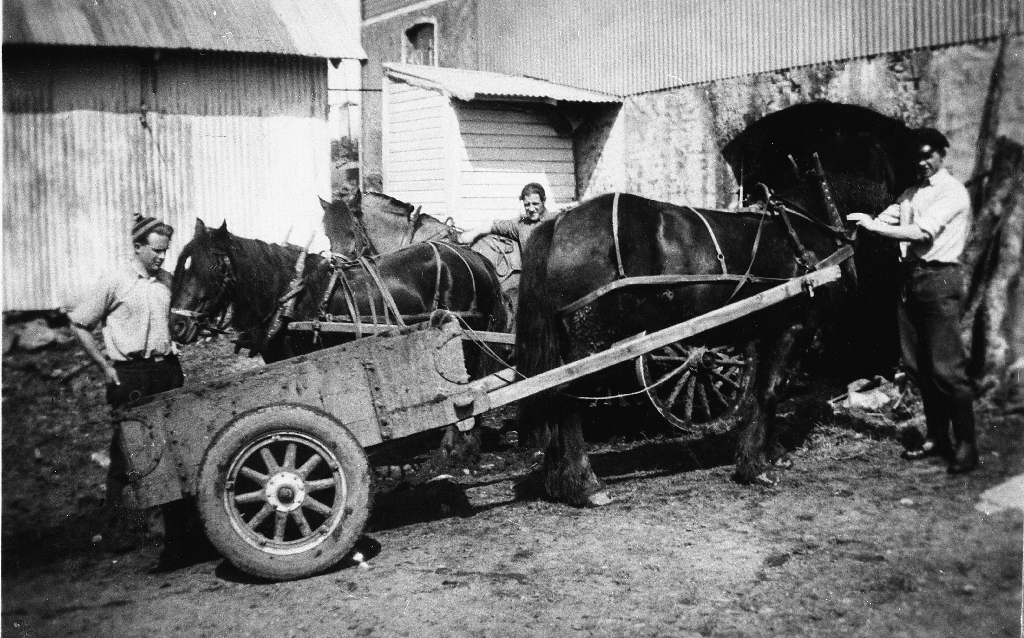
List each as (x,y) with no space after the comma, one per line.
(344,525)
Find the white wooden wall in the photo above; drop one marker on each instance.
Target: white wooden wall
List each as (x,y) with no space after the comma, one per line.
(500,150)
(469,161)
(417,124)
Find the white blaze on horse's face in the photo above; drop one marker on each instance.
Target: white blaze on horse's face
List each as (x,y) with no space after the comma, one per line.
(533,207)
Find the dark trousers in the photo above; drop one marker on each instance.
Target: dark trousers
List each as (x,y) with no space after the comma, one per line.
(933,355)
(139,379)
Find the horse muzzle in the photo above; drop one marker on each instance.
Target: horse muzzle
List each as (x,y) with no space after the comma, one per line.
(185,325)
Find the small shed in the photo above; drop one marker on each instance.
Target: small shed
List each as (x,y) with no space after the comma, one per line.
(463,143)
(177,109)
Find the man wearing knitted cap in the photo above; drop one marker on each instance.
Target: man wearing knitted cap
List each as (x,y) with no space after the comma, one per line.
(132,304)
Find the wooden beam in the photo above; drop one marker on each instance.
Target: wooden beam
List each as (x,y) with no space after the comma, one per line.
(485,397)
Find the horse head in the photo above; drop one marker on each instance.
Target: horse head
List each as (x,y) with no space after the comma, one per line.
(345,227)
(203,286)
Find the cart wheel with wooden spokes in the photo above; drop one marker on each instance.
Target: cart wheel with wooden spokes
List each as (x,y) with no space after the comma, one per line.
(698,388)
(284,491)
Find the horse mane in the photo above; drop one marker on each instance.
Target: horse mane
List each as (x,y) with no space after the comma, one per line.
(263,272)
(388,199)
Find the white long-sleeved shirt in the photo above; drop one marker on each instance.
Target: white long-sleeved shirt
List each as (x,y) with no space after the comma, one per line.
(941,207)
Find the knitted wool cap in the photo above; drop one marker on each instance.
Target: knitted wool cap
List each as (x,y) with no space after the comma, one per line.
(142,227)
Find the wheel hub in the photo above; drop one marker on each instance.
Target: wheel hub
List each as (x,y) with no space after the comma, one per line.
(285,491)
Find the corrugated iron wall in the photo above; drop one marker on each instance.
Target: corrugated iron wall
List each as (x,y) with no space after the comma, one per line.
(220,137)
(634,46)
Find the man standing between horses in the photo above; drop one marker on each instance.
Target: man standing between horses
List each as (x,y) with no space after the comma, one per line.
(932,221)
(519,230)
(132,303)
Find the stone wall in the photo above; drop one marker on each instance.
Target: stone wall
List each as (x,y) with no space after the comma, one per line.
(665,145)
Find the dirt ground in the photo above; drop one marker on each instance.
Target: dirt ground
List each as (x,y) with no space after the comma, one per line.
(853,541)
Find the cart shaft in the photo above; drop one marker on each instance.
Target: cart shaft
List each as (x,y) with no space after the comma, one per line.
(499,389)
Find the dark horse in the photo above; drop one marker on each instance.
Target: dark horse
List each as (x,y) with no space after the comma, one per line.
(218,271)
(374,223)
(575,254)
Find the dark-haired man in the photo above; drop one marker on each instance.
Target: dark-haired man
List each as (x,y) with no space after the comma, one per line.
(534,206)
(932,221)
(132,304)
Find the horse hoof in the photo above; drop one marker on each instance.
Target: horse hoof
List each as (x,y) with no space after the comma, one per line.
(766,479)
(784,462)
(599,499)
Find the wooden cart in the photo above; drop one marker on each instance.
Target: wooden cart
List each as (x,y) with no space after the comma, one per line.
(278,458)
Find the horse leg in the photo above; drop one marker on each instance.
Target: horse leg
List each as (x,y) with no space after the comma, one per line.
(758,447)
(567,473)
(459,448)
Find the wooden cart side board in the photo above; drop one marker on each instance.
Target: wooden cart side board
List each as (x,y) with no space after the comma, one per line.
(378,388)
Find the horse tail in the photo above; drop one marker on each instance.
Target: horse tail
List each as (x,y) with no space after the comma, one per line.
(537,339)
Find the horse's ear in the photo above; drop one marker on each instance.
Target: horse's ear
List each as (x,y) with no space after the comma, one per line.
(200,227)
(221,233)
(324,204)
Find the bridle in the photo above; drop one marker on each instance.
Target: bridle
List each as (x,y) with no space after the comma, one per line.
(200,319)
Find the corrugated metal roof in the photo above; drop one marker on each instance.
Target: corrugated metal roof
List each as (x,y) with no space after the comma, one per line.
(627,47)
(469,85)
(312,28)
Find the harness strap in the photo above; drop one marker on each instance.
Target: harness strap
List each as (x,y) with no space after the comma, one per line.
(806,257)
(437,277)
(753,256)
(663,280)
(388,300)
(714,239)
(350,302)
(615,236)
(469,269)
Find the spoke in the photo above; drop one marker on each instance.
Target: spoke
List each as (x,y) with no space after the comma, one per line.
(320,484)
(289,456)
(251,497)
(688,403)
(309,466)
(303,524)
(250,473)
(261,516)
(726,380)
(674,395)
(268,458)
(663,357)
(731,362)
(702,400)
(282,518)
(316,506)
(716,396)
(681,350)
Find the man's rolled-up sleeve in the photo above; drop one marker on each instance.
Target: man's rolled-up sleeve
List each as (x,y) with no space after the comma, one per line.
(940,213)
(91,305)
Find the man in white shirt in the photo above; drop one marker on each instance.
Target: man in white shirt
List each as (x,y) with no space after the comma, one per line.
(932,221)
(132,304)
